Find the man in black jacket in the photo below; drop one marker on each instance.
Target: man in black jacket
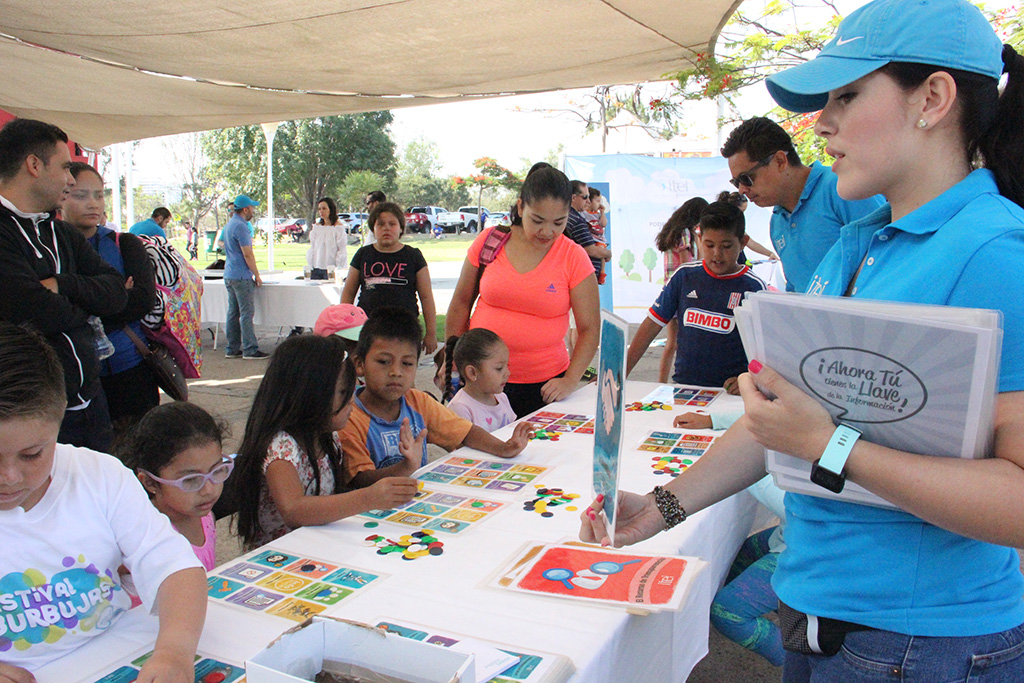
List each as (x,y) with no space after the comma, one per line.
(52,279)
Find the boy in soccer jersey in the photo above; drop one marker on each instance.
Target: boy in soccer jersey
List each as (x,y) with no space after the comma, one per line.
(702,295)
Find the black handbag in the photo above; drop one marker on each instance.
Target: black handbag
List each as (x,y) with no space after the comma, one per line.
(169,376)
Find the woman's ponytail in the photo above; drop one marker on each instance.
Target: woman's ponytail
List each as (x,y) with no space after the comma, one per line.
(1002,145)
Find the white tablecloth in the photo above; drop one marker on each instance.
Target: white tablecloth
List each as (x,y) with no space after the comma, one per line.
(606,645)
(281,302)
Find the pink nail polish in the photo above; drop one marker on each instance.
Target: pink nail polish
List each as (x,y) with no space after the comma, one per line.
(755,366)
(591,515)
(600,498)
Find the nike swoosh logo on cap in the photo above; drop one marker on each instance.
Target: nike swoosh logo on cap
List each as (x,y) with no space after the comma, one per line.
(841,41)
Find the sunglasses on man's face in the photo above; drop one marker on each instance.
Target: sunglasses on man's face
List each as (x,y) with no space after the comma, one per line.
(748,177)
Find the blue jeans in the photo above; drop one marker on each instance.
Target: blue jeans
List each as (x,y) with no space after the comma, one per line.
(877,656)
(240,311)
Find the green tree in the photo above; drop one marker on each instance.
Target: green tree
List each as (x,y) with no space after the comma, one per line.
(490,175)
(356,186)
(764,38)
(650,260)
(627,261)
(419,178)
(312,157)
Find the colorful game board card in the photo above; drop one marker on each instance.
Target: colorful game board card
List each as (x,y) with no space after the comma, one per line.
(296,610)
(675,450)
(272,558)
(591,574)
(473,473)
(311,569)
(219,587)
(433,507)
(551,424)
(301,587)
(207,670)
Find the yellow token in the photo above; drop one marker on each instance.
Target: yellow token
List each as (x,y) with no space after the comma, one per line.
(665,406)
(572,508)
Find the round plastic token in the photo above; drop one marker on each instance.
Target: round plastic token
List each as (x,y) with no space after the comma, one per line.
(370,525)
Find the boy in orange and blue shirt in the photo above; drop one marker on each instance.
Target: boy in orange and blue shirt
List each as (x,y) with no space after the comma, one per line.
(388,409)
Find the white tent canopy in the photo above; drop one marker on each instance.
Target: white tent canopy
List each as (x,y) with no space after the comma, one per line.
(113,70)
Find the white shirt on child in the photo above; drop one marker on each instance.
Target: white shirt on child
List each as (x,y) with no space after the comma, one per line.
(59,585)
(482,415)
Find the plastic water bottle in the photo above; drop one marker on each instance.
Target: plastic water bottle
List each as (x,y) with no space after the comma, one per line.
(104,347)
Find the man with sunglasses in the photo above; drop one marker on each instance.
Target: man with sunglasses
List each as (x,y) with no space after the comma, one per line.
(807,211)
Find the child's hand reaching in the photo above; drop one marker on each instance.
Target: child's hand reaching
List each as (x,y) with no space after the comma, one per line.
(692,421)
(15,674)
(732,386)
(411,448)
(167,667)
(391,492)
(517,442)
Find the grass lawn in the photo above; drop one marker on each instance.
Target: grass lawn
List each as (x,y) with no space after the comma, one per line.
(289,255)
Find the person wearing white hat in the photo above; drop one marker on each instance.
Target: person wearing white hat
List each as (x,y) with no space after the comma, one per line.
(911,109)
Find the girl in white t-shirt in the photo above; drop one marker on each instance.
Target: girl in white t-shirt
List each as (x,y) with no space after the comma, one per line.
(290,458)
(481,358)
(69,517)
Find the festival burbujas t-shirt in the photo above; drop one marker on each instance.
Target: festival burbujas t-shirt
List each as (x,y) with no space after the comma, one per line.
(59,585)
(708,348)
(388,279)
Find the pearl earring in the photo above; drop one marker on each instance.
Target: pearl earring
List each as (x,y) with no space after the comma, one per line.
(921,123)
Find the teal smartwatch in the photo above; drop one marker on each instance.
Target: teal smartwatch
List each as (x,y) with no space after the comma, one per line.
(828,470)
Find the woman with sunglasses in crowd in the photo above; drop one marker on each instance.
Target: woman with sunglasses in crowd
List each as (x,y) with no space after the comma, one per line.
(932,591)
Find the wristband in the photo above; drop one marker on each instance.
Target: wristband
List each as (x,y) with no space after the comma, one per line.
(668,505)
(828,470)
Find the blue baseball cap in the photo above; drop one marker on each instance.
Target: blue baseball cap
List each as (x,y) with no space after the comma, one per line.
(242,201)
(946,33)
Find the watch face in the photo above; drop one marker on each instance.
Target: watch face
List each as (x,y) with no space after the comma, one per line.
(827,478)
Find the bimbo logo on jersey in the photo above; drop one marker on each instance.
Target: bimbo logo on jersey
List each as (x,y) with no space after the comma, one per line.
(706,320)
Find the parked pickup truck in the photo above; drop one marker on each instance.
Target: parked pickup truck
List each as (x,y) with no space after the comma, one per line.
(421,219)
(464,219)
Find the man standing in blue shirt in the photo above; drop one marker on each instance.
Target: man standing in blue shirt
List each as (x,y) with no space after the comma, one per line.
(807,210)
(154,225)
(241,278)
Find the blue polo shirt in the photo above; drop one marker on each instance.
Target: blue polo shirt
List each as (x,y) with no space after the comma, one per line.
(236,235)
(803,237)
(887,568)
(148,228)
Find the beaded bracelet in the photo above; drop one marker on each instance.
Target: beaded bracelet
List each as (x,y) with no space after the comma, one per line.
(669,507)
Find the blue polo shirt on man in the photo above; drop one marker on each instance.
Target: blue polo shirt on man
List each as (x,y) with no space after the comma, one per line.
(236,235)
(886,568)
(147,228)
(802,237)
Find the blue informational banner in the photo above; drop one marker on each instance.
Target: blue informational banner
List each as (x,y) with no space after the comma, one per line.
(643,192)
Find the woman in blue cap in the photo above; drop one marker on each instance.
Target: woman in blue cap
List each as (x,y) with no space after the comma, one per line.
(932,592)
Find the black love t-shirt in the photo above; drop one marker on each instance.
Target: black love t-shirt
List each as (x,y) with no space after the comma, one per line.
(388,279)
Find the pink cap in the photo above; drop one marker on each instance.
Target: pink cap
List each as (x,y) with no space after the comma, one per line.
(344,320)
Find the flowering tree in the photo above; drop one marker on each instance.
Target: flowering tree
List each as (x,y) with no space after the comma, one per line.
(490,174)
(777,35)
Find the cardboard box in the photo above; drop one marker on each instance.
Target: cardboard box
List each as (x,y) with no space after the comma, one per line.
(299,655)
